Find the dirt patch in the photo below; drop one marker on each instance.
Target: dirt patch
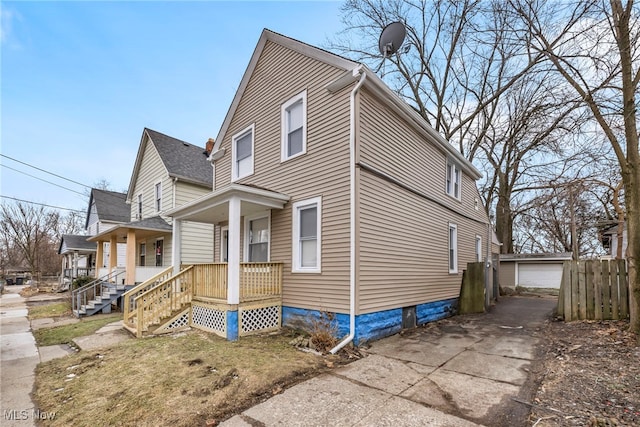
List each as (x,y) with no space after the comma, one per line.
(185,379)
(589,375)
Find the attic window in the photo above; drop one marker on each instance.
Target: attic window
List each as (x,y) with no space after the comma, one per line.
(294,126)
(242,156)
(453,180)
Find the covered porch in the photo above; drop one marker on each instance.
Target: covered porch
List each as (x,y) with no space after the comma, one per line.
(141,263)
(244,294)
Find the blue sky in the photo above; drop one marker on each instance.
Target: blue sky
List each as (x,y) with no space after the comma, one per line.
(80,81)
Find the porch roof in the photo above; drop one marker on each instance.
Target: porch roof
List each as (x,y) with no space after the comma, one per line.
(213,208)
(148,227)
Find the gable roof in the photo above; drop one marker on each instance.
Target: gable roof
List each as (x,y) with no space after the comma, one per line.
(352,74)
(111,206)
(182,160)
(74,242)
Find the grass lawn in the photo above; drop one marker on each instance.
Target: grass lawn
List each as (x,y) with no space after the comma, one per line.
(64,334)
(186,379)
(57,309)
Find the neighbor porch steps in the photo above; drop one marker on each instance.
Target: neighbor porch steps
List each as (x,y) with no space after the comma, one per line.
(102,303)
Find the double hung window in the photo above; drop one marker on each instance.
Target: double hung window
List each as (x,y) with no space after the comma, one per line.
(306,243)
(242,156)
(294,126)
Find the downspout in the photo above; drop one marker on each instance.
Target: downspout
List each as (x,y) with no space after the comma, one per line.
(352,211)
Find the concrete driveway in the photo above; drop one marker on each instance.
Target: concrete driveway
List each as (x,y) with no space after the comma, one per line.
(464,371)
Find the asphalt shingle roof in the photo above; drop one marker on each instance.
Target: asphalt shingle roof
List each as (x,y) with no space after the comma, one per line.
(153,223)
(183,160)
(111,205)
(77,242)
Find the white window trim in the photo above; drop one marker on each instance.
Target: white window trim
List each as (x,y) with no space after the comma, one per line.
(455,248)
(452,178)
(295,255)
(155,248)
(222,246)
(155,196)
(234,164)
(478,248)
(283,126)
(245,254)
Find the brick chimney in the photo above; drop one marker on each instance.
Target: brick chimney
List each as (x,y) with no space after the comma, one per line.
(209,146)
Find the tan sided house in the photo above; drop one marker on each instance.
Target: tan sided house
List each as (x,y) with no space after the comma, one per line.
(330,195)
(167,172)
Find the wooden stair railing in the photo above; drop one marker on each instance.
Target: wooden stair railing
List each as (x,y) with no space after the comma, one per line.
(163,299)
(129,297)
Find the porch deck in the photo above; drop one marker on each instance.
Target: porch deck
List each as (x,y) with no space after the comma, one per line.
(198,296)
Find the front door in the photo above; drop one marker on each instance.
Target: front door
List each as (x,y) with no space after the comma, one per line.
(159,252)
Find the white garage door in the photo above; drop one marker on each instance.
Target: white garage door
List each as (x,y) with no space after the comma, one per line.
(540,275)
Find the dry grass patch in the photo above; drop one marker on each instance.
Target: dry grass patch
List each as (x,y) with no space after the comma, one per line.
(181,380)
(65,334)
(58,309)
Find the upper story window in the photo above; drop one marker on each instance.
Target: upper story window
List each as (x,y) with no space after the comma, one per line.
(159,197)
(139,216)
(453,180)
(242,154)
(294,126)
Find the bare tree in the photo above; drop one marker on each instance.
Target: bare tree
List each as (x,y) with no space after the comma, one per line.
(594,46)
(474,82)
(31,233)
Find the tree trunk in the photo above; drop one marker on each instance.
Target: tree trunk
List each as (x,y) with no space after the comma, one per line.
(504,216)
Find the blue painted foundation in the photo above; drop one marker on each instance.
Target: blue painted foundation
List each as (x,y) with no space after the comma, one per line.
(232,325)
(371,326)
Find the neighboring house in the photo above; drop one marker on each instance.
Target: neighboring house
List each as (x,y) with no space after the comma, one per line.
(78,257)
(610,241)
(323,173)
(532,270)
(167,172)
(106,210)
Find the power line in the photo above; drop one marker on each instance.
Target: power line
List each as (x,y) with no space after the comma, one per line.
(45,171)
(41,204)
(44,180)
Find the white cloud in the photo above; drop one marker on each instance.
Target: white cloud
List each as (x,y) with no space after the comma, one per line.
(8,19)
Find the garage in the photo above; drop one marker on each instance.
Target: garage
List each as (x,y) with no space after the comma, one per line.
(532,270)
(538,275)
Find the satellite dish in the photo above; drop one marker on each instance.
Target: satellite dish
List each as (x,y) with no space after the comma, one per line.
(391,38)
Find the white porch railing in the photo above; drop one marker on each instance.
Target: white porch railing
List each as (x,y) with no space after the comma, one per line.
(145,273)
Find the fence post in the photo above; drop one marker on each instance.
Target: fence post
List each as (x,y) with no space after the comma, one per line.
(566,286)
(582,289)
(597,290)
(615,294)
(574,290)
(624,289)
(606,291)
(590,289)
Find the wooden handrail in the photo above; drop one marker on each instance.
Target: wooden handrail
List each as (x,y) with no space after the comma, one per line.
(160,301)
(129,296)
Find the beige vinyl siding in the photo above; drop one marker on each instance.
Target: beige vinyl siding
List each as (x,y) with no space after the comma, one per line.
(151,171)
(403,253)
(197,238)
(387,143)
(322,171)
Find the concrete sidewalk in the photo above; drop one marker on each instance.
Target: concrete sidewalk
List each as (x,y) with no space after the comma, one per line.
(462,371)
(18,359)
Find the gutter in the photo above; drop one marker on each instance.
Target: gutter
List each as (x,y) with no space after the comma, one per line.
(352,209)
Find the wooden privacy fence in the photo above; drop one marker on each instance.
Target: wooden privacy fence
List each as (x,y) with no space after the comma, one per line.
(594,290)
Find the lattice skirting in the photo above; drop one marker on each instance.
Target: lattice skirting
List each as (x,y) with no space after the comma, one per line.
(259,318)
(178,322)
(210,318)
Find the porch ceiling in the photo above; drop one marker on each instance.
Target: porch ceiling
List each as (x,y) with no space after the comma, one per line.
(213,208)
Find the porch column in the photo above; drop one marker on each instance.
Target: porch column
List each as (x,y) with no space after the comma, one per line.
(99,258)
(130,274)
(113,253)
(74,265)
(176,249)
(233,265)
(233,268)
